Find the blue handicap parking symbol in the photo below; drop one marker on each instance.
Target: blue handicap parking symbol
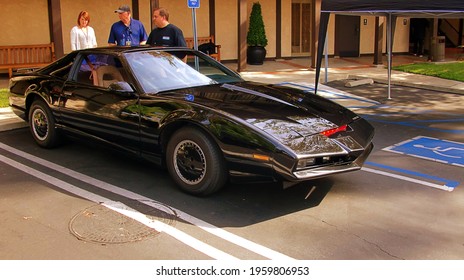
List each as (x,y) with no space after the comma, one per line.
(193,3)
(433,149)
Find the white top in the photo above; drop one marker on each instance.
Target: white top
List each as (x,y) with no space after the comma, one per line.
(83,38)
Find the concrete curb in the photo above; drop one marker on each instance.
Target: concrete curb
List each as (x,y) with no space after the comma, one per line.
(9,121)
(359,82)
(409,84)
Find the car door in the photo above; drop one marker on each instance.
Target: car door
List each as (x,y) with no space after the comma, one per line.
(90,107)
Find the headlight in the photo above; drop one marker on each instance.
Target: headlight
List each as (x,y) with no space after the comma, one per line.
(305,163)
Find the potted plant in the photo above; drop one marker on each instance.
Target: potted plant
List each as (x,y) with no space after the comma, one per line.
(256,37)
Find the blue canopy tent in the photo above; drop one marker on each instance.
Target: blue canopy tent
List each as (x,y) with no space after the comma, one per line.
(391,9)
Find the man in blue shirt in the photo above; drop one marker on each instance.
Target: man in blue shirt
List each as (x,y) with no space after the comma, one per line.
(127,31)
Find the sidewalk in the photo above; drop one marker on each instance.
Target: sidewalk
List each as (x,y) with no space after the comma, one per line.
(297,71)
(9,121)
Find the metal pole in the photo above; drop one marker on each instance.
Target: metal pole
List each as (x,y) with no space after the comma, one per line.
(195,42)
(389,52)
(194,24)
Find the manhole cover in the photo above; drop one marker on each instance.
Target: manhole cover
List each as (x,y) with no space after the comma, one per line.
(100,224)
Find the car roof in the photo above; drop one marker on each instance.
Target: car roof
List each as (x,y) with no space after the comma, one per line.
(123,49)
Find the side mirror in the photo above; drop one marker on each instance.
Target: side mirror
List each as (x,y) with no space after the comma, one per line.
(121,87)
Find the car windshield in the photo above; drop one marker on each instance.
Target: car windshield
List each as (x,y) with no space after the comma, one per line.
(158,71)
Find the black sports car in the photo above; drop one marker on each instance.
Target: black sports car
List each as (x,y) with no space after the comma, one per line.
(189,113)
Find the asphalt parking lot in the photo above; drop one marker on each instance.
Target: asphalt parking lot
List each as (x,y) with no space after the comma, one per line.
(80,201)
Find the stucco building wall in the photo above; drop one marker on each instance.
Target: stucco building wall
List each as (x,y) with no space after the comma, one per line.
(24,22)
(27,22)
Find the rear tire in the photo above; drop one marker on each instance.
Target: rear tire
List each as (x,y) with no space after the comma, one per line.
(195,162)
(42,125)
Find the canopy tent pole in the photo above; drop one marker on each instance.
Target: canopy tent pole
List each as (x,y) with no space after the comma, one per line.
(326,49)
(389,52)
(324,21)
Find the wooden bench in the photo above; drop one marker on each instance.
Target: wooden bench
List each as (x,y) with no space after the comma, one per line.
(204,40)
(26,56)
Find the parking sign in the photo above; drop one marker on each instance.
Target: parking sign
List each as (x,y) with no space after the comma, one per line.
(193,3)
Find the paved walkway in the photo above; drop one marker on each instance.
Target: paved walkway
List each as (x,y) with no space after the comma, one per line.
(9,121)
(296,72)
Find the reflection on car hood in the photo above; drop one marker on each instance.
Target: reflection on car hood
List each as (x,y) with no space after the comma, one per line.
(293,126)
(300,134)
(286,113)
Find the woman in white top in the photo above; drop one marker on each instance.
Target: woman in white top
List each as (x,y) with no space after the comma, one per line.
(82,35)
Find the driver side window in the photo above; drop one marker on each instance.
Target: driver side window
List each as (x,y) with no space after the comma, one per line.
(100,70)
(84,75)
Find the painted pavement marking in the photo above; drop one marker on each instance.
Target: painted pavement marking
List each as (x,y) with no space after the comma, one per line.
(429,148)
(125,210)
(448,185)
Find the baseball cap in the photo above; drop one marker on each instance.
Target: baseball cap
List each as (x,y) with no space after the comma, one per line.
(123,9)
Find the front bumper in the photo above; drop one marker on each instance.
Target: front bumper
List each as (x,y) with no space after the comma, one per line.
(333,169)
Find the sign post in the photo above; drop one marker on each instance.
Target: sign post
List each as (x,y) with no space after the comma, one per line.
(194,4)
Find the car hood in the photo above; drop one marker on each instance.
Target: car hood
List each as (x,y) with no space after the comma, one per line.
(270,106)
(288,114)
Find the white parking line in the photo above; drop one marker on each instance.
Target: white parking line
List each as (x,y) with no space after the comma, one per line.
(124,210)
(237,240)
(404,178)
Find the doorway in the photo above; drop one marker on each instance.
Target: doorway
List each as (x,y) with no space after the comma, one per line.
(347,35)
(301,27)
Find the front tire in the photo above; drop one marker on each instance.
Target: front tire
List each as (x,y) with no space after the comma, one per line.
(42,125)
(195,162)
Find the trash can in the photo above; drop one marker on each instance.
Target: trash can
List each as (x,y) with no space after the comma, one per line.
(438,48)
